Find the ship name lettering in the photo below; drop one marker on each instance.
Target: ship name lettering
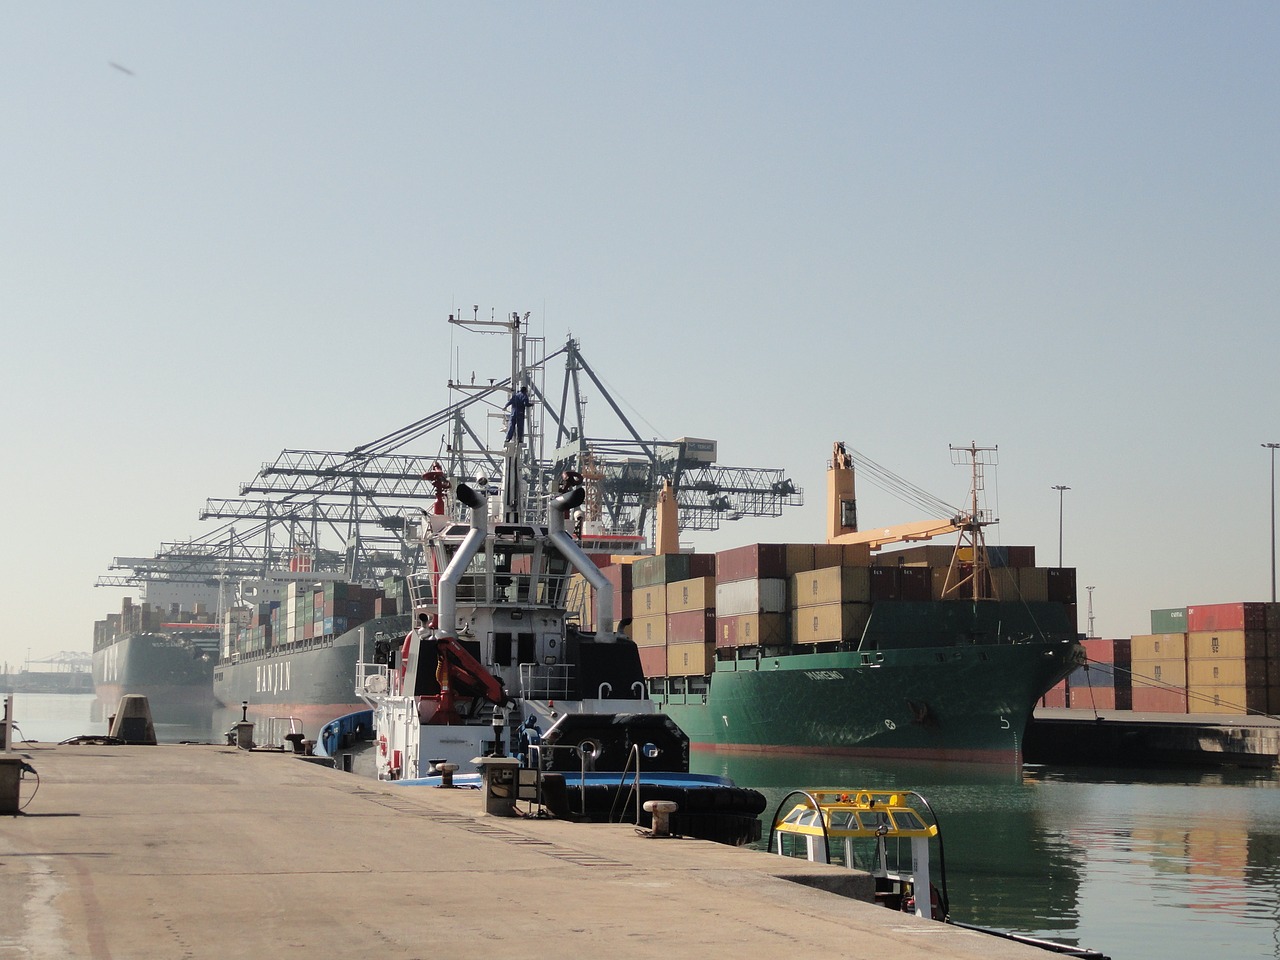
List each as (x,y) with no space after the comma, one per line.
(823,674)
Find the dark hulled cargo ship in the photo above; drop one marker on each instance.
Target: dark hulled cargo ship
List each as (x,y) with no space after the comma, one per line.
(166,655)
(294,658)
(308,680)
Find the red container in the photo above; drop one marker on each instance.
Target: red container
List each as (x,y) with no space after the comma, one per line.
(1096,698)
(1227,616)
(653,661)
(1056,697)
(753,630)
(619,574)
(1159,700)
(1118,652)
(1021,556)
(702,565)
(754,561)
(691,626)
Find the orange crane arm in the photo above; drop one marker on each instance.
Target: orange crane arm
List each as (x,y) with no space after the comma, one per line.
(880,536)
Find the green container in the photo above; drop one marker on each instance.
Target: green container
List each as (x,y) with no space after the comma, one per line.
(1170,620)
(665,568)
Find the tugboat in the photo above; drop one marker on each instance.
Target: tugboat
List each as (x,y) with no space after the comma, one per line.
(495,668)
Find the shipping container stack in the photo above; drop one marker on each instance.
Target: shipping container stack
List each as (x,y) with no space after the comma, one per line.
(691,619)
(1104,682)
(831,603)
(751,596)
(394,599)
(1159,663)
(144,618)
(1227,659)
(310,614)
(580,600)
(1221,658)
(676,647)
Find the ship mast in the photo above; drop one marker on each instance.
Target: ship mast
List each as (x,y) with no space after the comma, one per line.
(973,571)
(513,492)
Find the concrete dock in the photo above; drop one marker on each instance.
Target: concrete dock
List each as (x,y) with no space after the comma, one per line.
(194,851)
(1123,738)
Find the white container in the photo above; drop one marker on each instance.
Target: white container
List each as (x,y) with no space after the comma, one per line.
(739,597)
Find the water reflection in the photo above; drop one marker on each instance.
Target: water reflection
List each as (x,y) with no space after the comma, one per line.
(1137,863)
(174,722)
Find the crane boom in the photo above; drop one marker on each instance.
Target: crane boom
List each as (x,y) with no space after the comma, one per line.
(882,536)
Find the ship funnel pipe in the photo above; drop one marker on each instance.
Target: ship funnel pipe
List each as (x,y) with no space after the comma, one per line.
(469,496)
(581,562)
(478,502)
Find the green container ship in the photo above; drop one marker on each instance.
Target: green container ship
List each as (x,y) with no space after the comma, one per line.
(941,655)
(961,686)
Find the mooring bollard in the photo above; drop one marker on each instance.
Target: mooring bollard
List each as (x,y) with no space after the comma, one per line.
(661,811)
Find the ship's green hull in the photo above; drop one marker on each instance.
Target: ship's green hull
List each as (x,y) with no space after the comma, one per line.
(968,696)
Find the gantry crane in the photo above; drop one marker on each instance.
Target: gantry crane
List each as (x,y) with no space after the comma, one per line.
(363,499)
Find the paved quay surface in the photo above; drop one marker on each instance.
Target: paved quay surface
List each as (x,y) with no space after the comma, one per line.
(195,851)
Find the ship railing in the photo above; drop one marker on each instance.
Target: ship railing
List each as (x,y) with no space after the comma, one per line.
(539,759)
(366,682)
(547,681)
(419,585)
(628,785)
(278,730)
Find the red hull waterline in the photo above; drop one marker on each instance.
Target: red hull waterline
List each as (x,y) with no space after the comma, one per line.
(993,757)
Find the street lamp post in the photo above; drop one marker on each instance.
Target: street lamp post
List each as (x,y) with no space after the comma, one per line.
(1061,490)
(1272,447)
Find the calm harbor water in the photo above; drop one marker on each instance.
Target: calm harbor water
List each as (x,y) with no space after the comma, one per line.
(1175,864)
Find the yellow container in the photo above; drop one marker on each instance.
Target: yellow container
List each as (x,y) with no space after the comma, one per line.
(1162,672)
(1219,671)
(1159,646)
(1226,644)
(856,555)
(831,585)
(829,622)
(649,601)
(828,555)
(1033,583)
(650,631)
(696,594)
(1228,698)
(1005,584)
(753,630)
(690,659)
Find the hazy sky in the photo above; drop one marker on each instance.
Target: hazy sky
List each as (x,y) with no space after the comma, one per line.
(231,228)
